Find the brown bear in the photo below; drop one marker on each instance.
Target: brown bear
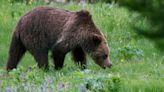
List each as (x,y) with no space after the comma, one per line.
(60,31)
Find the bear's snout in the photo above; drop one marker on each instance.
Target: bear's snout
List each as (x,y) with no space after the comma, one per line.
(107,64)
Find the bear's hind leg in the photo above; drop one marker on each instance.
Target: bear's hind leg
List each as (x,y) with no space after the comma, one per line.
(79,57)
(16,52)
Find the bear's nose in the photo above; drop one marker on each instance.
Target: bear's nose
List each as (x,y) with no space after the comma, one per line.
(109,65)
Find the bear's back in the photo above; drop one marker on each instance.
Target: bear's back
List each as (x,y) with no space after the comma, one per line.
(42,23)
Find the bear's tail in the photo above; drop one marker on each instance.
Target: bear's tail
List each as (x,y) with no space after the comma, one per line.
(16,51)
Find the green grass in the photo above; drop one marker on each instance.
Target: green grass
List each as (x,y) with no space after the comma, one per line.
(137,65)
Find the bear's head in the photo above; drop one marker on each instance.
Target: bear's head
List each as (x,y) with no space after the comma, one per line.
(94,41)
(100,51)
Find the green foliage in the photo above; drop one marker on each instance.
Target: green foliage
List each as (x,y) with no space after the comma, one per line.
(14,1)
(126,47)
(30,79)
(128,53)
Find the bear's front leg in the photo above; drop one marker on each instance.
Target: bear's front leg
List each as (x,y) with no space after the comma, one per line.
(58,59)
(58,54)
(41,58)
(79,57)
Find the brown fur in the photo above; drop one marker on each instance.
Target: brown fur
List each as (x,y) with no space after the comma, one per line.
(60,31)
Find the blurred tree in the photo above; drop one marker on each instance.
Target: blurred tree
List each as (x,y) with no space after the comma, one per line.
(154,11)
(21,1)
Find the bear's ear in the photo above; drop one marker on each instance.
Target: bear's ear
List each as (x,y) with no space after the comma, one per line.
(84,14)
(96,39)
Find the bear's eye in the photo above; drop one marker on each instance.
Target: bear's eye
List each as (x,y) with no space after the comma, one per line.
(105,56)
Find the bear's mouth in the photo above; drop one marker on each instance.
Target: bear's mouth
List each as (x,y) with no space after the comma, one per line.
(105,66)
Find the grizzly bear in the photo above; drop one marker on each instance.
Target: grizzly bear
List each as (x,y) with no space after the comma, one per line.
(61,31)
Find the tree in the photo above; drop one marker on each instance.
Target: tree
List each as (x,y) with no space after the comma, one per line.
(154,11)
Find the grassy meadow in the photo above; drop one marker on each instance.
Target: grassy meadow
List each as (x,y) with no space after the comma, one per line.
(137,64)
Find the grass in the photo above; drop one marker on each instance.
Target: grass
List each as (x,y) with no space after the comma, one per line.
(137,64)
